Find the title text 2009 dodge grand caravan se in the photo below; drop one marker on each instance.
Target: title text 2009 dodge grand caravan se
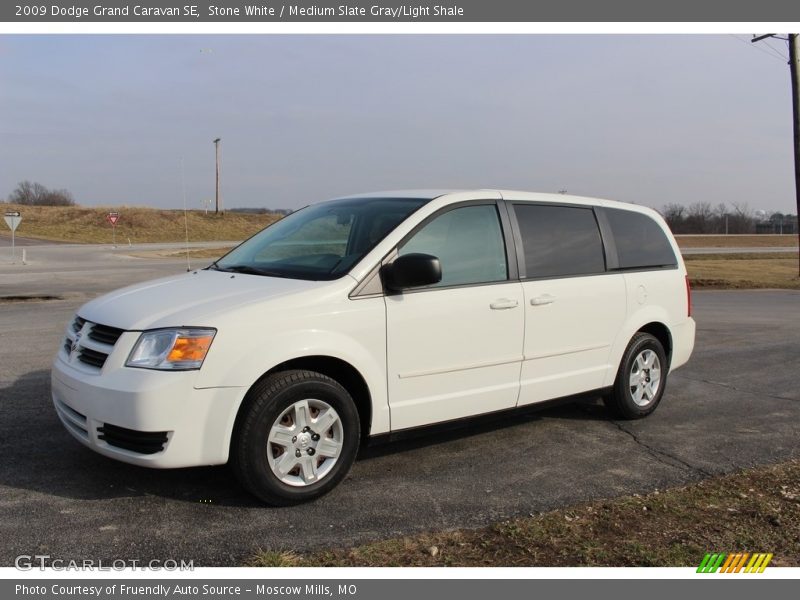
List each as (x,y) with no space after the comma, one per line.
(374,314)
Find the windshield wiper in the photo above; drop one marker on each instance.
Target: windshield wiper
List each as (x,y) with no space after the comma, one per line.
(248,270)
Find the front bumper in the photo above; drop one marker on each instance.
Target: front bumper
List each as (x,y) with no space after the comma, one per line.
(143,417)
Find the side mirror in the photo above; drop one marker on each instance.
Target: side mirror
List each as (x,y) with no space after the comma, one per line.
(411,270)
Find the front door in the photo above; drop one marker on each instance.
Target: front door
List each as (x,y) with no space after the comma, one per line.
(454,348)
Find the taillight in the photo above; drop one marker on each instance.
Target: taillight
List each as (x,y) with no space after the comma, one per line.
(688,298)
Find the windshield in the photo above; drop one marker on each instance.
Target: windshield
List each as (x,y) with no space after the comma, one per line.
(321,241)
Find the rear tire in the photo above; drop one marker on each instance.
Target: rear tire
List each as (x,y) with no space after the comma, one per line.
(296,437)
(641,378)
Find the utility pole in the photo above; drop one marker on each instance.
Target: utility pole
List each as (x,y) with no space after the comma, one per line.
(216,152)
(792,38)
(793,60)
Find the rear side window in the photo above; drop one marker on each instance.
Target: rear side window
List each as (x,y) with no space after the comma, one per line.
(559,241)
(641,243)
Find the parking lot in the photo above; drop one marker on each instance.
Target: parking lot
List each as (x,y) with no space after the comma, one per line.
(737,404)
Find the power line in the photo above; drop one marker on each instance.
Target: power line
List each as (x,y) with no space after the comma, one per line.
(778,52)
(759,48)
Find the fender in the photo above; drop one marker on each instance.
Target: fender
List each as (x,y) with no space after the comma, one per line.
(239,358)
(638,319)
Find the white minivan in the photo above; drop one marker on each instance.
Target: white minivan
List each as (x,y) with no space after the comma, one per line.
(367,316)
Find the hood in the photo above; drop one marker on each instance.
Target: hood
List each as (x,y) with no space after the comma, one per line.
(190,299)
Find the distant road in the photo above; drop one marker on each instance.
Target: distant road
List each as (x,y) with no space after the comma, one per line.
(5,240)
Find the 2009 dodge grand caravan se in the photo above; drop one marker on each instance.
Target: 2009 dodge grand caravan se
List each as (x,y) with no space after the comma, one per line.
(373,314)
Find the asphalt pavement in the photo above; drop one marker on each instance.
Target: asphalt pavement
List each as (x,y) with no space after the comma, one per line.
(736,404)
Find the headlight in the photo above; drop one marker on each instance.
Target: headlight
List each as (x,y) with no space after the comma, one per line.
(171,349)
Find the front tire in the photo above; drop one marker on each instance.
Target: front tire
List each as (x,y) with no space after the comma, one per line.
(296,438)
(641,378)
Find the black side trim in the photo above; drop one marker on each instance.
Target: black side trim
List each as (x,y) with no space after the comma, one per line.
(609,244)
(508,236)
(498,415)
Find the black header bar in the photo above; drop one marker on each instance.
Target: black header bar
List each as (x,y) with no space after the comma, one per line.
(453,11)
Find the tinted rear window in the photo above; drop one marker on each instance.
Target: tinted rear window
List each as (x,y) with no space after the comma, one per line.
(641,243)
(559,240)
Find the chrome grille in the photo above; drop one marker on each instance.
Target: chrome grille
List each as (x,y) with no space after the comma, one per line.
(92,357)
(77,324)
(105,334)
(93,342)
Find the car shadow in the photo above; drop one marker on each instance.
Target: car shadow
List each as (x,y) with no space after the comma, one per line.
(40,456)
(583,410)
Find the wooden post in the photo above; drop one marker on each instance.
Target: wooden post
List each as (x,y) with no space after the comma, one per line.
(216,152)
(793,60)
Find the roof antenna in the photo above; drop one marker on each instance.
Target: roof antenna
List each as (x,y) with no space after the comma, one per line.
(185,217)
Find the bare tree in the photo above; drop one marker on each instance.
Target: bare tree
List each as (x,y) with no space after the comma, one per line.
(35,194)
(674,214)
(700,217)
(741,220)
(721,218)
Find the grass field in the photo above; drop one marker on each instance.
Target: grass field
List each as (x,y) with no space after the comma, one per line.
(752,511)
(743,271)
(137,224)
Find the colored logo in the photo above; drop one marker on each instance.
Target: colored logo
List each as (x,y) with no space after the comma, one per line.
(741,562)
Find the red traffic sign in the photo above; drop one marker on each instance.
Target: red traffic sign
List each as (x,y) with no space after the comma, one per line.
(112,218)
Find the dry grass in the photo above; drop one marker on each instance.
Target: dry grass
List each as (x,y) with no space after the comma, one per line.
(754,511)
(735,241)
(743,271)
(140,225)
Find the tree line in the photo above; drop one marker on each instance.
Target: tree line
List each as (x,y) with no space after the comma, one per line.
(702,217)
(30,193)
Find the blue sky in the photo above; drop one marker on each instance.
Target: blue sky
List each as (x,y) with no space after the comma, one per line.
(646,119)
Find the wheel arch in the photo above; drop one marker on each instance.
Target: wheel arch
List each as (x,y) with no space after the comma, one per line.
(653,321)
(337,369)
(662,333)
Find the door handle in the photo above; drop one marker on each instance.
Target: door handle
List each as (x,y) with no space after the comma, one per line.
(503,304)
(542,300)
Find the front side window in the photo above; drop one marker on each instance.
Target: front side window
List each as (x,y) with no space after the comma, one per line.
(319,242)
(559,241)
(468,242)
